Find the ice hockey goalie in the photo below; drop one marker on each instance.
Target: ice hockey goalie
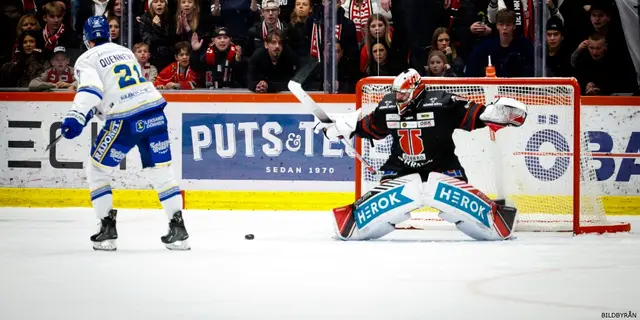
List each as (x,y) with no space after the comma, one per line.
(422,169)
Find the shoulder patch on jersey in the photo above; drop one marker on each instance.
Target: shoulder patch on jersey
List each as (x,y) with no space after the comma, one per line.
(392,116)
(425,115)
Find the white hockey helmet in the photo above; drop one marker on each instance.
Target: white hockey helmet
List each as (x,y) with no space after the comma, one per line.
(406,87)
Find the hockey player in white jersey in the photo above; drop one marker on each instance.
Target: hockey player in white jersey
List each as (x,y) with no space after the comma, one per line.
(112,87)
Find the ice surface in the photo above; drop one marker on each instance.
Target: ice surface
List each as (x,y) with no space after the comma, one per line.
(294,270)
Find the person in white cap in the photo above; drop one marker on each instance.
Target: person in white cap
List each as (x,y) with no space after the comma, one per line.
(59,76)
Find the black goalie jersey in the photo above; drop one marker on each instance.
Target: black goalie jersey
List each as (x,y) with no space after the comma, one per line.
(422,136)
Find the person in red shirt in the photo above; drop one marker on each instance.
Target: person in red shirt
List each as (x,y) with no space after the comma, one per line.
(178,75)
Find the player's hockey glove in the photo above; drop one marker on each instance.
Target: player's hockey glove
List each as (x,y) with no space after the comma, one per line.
(343,126)
(74,122)
(504,112)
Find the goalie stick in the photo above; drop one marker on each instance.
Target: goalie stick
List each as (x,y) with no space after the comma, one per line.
(295,87)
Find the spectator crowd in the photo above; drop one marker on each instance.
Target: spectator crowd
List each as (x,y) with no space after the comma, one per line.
(213,44)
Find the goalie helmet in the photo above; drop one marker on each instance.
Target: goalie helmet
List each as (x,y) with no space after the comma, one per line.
(407,86)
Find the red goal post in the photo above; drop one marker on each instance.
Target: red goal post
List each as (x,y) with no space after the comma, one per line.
(575,201)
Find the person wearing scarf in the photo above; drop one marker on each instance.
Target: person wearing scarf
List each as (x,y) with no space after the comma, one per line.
(55,32)
(178,75)
(345,32)
(222,62)
(59,76)
(359,12)
(258,32)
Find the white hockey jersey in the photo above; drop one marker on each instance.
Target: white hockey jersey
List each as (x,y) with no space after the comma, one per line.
(110,79)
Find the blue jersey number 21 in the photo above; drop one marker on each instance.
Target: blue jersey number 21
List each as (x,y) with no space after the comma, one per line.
(126,76)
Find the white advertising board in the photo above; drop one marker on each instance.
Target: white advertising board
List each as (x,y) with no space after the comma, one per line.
(249,146)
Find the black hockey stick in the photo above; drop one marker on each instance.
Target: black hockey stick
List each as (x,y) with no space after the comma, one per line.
(53,143)
(295,86)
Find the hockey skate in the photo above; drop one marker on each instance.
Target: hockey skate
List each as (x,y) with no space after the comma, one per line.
(105,239)
(176,237)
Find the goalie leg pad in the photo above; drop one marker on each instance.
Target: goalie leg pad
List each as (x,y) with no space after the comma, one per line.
(377,212)
(470,210)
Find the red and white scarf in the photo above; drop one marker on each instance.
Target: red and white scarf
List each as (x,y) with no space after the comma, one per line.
(50,41)
(54,77)
(359,14)
(525,17)
(265,30)
(316,38)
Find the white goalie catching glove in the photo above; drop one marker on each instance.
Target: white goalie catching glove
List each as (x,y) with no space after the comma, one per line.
(504,112)
(342,126)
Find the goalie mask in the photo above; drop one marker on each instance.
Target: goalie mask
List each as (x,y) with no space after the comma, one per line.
(406,86)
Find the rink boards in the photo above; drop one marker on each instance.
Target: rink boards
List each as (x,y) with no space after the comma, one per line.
(254,152)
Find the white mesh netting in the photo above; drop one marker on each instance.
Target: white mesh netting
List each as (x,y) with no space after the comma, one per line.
(531,167)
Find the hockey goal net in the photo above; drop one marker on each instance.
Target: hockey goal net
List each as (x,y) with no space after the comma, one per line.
(533,167)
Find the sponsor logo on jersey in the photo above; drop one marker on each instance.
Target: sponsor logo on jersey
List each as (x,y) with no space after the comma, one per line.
(425,116)
(464,201)
(426,123)
(380,204)
(388,105)
(392,117)
(408,124)
(417,157)
(393,124)
(134,94)
(160,147)
(408,118)
(413,164)
(107,141)
(432,103)
(116,155)
(141,125)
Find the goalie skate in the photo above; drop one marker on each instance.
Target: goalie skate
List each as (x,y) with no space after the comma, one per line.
(176,237)
(105,239)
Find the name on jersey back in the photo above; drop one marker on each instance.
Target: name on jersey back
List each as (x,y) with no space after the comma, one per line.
(109,60)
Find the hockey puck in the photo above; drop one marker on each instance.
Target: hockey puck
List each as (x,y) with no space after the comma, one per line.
(249,236)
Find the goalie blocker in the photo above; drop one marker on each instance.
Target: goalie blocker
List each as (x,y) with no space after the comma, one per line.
(378,211)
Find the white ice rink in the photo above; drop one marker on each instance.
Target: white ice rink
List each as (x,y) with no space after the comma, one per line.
(294,270)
